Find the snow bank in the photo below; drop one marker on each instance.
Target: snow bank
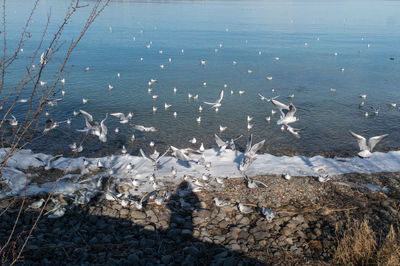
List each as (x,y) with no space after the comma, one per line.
(126,168)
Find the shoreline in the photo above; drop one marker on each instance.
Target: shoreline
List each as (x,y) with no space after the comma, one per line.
(307,227)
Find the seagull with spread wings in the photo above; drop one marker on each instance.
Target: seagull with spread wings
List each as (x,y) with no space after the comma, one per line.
(366,149)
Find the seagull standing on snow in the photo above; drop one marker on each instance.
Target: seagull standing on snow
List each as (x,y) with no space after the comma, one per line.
(366,150)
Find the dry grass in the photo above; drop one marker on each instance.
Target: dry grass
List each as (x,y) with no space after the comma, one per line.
(359,246)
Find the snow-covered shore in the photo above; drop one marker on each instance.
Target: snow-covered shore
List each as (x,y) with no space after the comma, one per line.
(80,173)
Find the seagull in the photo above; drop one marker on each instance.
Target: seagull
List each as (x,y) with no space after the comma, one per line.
(287,176)
(366,150)
(154,158)
(198,119)
(155,109)
(84,101)
(363,96)
(144,129)
(175,114)
(123,118)
(249,71)
(269,78)
(76,148)
(183,154)
(63,81)
(218,102)
(200,108)
(151,144)
(393,105)
(262,97)
(166,106)
(241,92)
(278,104)
(37,204)
(193,141)
(268,119)
(13,122)
(203,62)
(249,126)
(288,117)
(244,209)
(94,128)
(154,96)
(268,213)
(250,153)
(220,203)
(249,119)
(276,58)
(234,62)
(50,125)
(293,131)
(87,69)
(53,103)
(175,90)
(222,128)
(42,83)
(110,87)
(224,144)
(124,150)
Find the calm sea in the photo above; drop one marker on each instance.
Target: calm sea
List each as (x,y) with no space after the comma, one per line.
(303,34)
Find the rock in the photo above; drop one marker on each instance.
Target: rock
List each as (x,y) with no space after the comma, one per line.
(317,232)
(219,239)
(244,221)
(124,213)
(147,243)
(287,231)
(192,251)
(166,259)
(235,247)
(204,214)
(260,235)
(138,215)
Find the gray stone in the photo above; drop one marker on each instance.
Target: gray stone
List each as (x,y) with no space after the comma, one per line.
(138,215)
(192,251)
(235,247)
(147,243)
(166,259)
(260,235)
(133,259)
(219,239)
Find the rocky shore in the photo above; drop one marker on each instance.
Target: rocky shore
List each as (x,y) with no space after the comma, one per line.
(190,229)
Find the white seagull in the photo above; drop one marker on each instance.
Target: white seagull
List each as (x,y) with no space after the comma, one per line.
(218,102)
(366,150)
(123,118)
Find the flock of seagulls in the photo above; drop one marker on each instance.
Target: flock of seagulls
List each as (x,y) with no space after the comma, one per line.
(286,120)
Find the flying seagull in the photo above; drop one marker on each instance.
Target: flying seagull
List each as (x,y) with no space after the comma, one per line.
(366,150)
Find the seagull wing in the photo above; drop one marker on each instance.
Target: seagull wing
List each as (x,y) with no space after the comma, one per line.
(362,142)
(249,143)
(374,140)
(104,129)
(138,127)
(209,103)
(86,115)
(279,105)
(144,155)
(165,153)
(292,111)
(119,115)
(221,95)
(256,147)
(219,141)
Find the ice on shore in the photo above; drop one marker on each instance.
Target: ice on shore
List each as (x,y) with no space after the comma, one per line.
(79,173)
